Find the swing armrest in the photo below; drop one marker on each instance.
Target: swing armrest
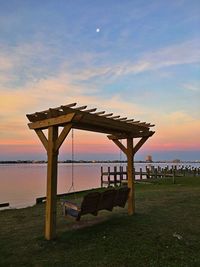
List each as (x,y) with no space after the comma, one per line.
(71,205)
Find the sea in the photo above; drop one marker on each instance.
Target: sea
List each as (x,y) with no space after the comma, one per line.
(21,184)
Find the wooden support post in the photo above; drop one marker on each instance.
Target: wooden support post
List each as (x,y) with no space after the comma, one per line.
(50,222)
(164,172)
(155,173)
(115,175)
(173,175)
(109,177)
(140,173)
(121,170)
(101,176)
(147,173)
(131,176)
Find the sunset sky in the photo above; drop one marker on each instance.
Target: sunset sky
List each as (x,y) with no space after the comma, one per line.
(135,58)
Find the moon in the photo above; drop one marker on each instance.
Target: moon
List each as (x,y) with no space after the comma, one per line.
(97,30)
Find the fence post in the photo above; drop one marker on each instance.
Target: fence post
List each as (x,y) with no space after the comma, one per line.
(109,176)
(115,175)
(156,172)
(140,173)
(173,177)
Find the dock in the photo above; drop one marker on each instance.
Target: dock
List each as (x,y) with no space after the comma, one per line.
(118,175)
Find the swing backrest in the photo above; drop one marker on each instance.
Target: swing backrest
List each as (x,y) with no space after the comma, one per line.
(106,201)
(121,196)
(90,203)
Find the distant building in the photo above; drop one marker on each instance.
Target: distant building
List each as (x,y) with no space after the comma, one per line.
(149,158)
(176,161)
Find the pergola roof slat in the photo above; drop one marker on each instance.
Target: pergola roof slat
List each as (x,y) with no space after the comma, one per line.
(81,108)
(99,112)
(115,117)
(90,110)
(107,115)
(71,105)
(122,119)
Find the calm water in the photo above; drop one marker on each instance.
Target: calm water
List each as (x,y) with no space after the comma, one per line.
(21,184)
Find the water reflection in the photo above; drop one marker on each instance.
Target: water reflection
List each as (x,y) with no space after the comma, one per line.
(21,184)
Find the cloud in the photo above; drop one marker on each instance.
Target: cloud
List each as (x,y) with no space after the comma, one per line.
(176,130)
(179,117)
(5,63)
(187,52)
(183,53)
(65,85)
(195,87)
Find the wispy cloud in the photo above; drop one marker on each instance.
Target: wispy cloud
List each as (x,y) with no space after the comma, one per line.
(177,129)
(195,86)
(178,54)
(5,62)
(187,52)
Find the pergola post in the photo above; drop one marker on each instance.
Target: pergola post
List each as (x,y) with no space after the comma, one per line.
(131,176)
(52,153)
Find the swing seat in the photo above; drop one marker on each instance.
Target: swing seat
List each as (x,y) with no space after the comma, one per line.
(107,199)
(121,196)
(96,201)
(89,205)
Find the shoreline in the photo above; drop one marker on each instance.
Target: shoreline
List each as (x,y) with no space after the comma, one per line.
(96,161)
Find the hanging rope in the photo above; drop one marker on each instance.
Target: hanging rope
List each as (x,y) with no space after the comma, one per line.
(120,164)
(120,154)
(72,163)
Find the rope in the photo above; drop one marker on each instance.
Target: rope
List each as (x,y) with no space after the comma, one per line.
(73,158)
(72,163)
(120,155)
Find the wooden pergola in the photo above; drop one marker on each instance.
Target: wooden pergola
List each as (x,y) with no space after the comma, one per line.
(68,117)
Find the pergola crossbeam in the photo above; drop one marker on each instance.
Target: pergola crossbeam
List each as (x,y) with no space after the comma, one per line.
(44,124)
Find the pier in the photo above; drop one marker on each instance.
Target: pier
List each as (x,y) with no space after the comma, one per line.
(118,175)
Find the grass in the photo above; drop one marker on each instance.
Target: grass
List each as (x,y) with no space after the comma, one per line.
(165,231)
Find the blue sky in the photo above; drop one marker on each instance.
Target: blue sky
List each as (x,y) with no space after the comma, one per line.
(143,63)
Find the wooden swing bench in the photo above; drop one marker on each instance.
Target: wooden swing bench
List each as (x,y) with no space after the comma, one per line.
(93,202)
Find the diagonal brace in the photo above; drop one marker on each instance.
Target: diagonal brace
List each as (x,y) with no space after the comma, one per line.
(62,136)
(120,145)
(139,144)
(42,138)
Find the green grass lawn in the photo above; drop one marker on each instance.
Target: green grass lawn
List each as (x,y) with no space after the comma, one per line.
(165,232)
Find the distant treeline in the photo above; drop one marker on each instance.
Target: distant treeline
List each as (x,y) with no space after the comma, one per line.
(90,161)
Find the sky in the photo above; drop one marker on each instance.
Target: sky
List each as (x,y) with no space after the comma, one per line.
(134,58)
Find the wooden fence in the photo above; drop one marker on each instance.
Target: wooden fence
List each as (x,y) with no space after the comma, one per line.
(118,175)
